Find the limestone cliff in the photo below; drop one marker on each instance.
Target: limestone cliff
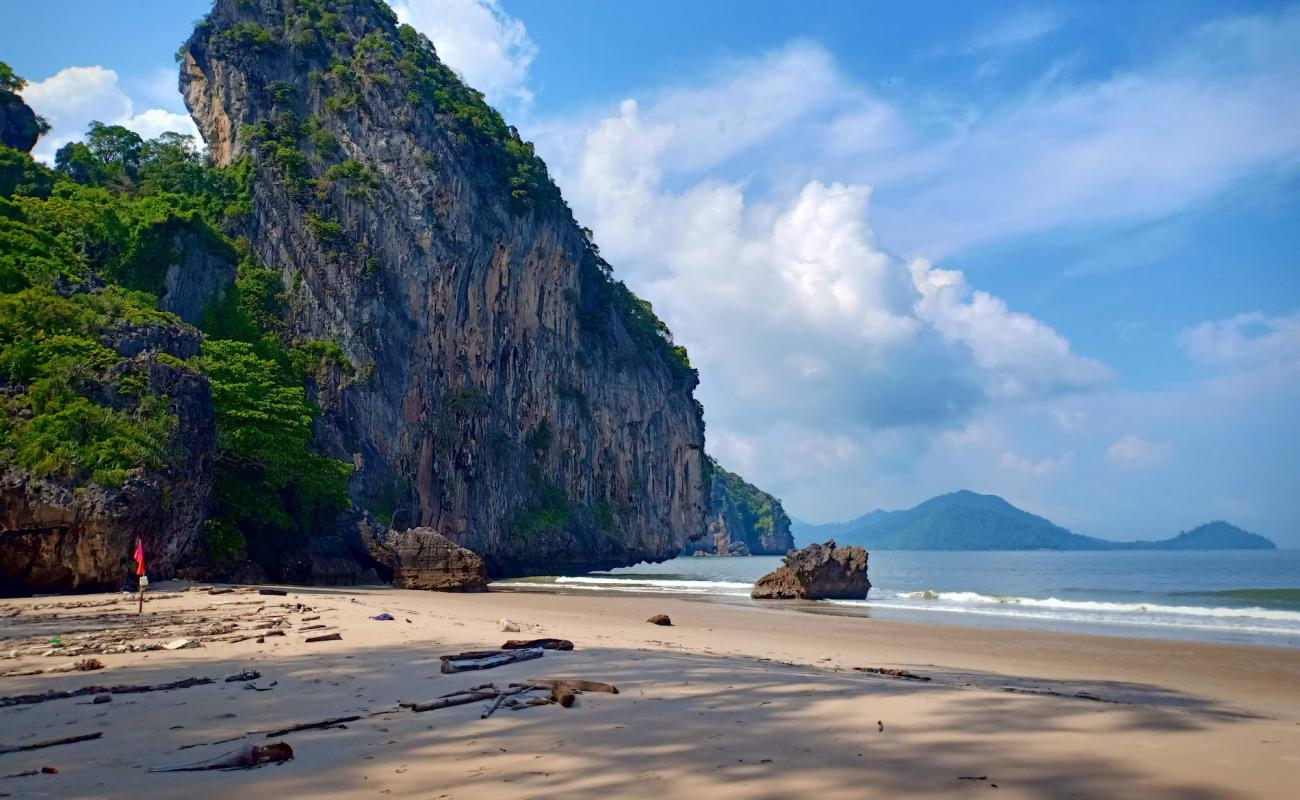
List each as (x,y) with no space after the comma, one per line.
(504,390)
(742,520)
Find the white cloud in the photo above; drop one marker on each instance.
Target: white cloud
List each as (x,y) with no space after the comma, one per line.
(1134,451)
(1016,30)
(1246,341)
(74,96)
(477,38)
(1020,355)
(1035,468)
(819,352)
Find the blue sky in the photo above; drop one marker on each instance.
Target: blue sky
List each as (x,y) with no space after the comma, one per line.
(1046,250)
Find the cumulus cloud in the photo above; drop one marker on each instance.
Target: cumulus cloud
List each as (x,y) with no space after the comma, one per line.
(477,38)
(73,97)
(819,351)
(1134,451)
(1245,341)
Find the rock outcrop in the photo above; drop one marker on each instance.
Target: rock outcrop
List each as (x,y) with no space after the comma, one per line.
(421,558)
(817,572)
(506,391)
(60,536)
(743,520)
(19,125)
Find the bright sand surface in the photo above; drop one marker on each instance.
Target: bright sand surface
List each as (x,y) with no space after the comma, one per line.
(732,701)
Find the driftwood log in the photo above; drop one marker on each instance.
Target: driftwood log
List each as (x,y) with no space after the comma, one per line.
(51,743)
(545,644)
(310,726)
(487,659)
(246,757)
(28,699)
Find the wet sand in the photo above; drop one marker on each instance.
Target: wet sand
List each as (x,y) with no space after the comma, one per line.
(731,701)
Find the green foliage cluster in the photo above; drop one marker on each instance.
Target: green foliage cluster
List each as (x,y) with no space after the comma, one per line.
(269,480)
(604,300)
(548,512)
(519,168)
(75,244)
(251,35)
(540,437)
(760,512)
(54,368)
(359,179)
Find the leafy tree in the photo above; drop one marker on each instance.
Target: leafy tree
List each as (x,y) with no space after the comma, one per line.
(116,147)
(77,161)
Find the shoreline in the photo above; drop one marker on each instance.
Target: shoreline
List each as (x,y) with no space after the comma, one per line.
(733,700)
(968,618)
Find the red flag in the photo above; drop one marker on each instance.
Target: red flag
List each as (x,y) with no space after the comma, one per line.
(139,557)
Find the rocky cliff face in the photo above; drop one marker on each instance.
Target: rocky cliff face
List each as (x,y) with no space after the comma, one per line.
(19,125)
(505,391)
(58,536)
(742,520)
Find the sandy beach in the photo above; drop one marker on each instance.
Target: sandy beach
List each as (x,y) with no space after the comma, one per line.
(731,701)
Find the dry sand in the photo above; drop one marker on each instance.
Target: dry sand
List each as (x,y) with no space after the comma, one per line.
(732,701)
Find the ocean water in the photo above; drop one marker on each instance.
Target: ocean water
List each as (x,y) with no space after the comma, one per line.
(1240,596)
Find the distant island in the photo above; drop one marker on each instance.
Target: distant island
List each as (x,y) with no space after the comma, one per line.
(966,520)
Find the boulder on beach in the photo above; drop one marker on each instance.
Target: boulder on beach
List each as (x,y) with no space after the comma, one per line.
(817,572)
(422,558)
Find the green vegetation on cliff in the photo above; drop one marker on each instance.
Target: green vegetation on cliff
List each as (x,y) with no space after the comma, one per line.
(84,253)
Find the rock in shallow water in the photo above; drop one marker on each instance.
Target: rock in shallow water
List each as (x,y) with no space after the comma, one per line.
(817,572)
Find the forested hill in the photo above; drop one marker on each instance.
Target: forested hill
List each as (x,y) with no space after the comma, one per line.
(965,520)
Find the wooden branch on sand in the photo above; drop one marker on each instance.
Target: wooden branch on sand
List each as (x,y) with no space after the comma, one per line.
(28,699)
(51,743)
(459,699)
(310,726)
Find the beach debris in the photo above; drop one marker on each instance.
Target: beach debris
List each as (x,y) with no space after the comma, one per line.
(508,626)
(487,659)
(972,777)
(51,743)
(25,773)
(880,726)
(545,644)
(49,770)
(325,637)
(565,690)
(660,619)
(385,617)
(312,628)
(85,665)
(246,757)
(220,590)
(28,699)
(257,688)
(893,673)
(273,592)
(559,690)
(334,722)
(180,644)
(100,699)
(246,675)
(463,697)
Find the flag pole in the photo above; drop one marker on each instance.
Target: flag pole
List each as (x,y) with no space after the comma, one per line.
(139,572)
